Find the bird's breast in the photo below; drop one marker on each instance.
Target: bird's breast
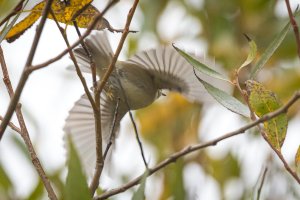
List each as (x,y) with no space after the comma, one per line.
(138,86)
(138,95)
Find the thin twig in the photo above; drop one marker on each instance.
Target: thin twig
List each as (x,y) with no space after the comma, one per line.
(82,42)
(24,132)
(12,126)
(133,123)
(78,71)
(25,74)
(112,132)
(119,48)
(96,110)
(280,156)
(99,153)
(88,53)
(138,138)
(192,148)
(99,165)
(261,183)
(294,24)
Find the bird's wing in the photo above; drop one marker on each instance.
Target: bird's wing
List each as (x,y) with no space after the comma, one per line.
(80,125)
(100,50)
(171,71)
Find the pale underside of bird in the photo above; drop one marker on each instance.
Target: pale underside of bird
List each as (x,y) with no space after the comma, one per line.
(138,81)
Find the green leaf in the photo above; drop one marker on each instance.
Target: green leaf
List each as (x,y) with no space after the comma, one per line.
(4,32)
(5,182)
(263,101)
(76,186)
(252,53)
(297,157)
(270,50)
(200,66)
(225,99)
(222,169)
(6,7)
(140,193)
(7,28)
(38,192)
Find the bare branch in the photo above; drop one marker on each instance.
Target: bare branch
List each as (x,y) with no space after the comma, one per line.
(25,74)
(99,162)
(24,132)
(112,132)
(12,126)
(78,71)
(294,24)
(119,48)
(189,149)
(261,183)
(280,156)
(134,124)
(138,137)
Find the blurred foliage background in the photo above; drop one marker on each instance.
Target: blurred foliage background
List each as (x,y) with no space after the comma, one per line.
(216,27)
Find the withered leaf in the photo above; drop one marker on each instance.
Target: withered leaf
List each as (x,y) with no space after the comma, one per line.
(263,101)
(82,11)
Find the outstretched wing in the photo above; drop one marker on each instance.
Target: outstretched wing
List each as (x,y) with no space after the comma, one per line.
(80,125)
(100,50)
(171,71)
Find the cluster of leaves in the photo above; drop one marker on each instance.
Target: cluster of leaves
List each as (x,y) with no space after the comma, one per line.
(261,100)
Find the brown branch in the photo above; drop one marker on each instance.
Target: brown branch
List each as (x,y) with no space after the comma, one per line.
(133,123)
(24,132)
(99,154)
(112,132)
(119,48)
(12,126)
(137,137)
(99,162)
(261,183)
(280,156)
(192,148)
(95,105)
(294,24)
(25,74)
(84,35)
(78,71)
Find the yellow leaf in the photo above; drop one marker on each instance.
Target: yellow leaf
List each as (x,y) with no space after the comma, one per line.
(82,11)
(23,25)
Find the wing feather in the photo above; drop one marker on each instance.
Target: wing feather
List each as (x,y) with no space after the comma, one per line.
(80,125)
(171,71)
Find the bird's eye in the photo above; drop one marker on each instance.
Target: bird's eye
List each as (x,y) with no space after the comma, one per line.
(160,93)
